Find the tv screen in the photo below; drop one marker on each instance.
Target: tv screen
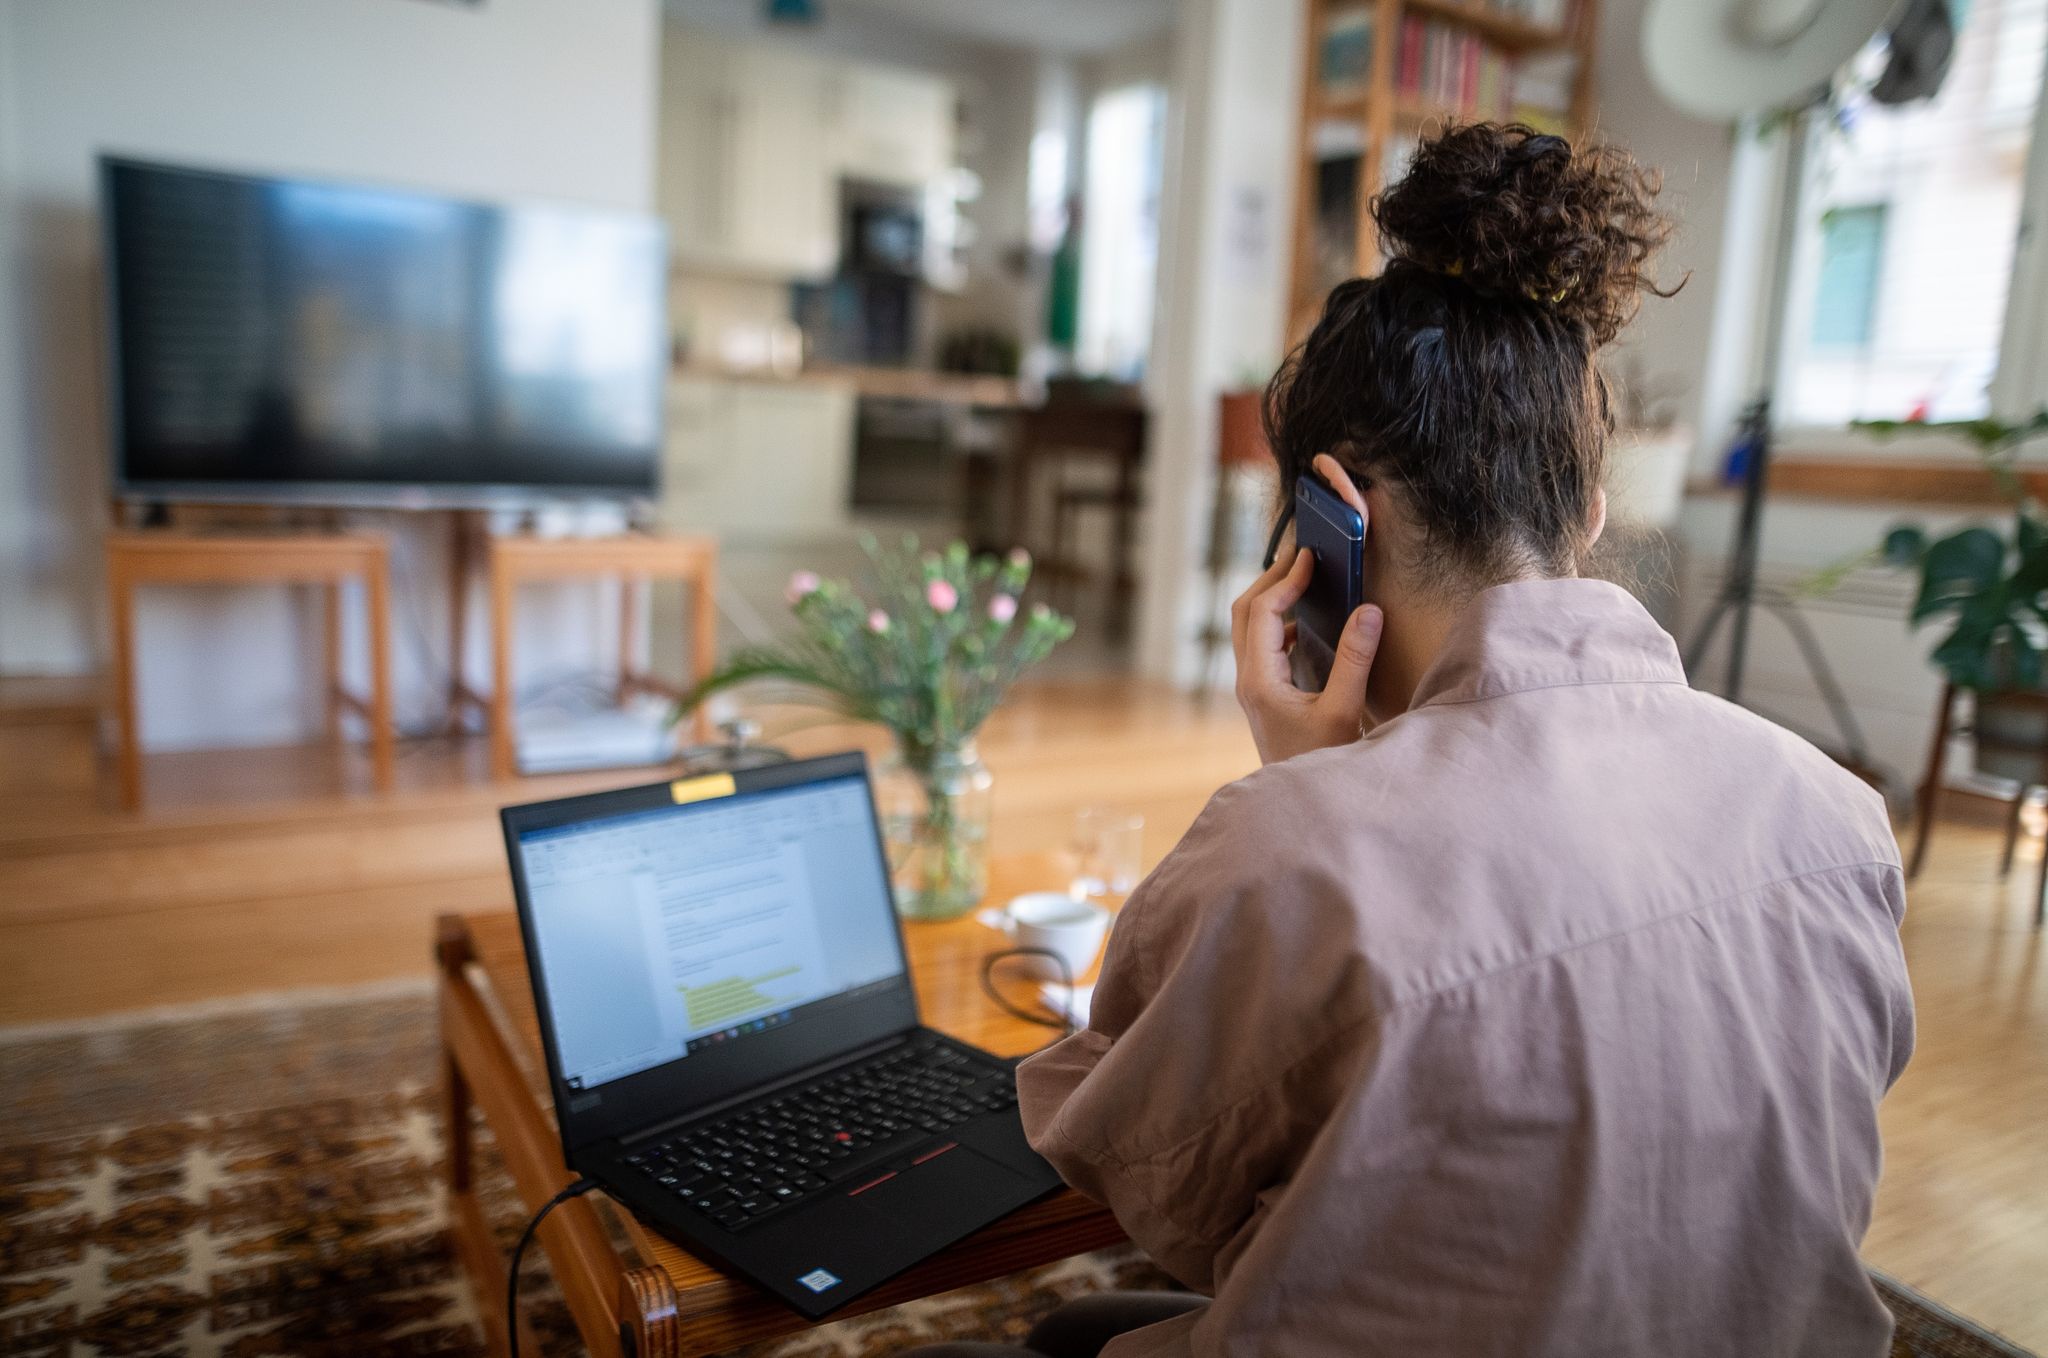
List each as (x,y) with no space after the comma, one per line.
(278,338)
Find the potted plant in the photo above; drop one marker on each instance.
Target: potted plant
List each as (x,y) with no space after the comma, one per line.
(929,656)
(1993,586)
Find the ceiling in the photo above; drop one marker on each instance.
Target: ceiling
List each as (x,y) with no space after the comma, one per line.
(1079,27)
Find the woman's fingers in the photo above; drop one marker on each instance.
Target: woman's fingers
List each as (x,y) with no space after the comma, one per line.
(1344,693)
(1265,647)
(1333,474)
(1240,607)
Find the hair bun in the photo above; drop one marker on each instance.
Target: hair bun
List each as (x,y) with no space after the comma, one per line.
(1516,213)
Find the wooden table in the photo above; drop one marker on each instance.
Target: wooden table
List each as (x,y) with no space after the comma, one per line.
(631,558)
(631,1291)
(329,560)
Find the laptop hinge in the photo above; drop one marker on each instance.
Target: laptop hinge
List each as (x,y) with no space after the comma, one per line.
(810,1072)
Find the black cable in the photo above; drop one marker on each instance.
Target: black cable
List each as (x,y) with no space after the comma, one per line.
(575,1190)
(1279,531)
(1065,1022)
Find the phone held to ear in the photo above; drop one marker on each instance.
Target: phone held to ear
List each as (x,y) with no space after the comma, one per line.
(1335,533)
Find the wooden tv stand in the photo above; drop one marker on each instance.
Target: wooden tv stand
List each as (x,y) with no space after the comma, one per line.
(169,557)
(630,558)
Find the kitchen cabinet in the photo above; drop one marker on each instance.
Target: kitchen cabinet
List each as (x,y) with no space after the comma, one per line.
(758,460)
(746,179)
(892,126)
(754,139)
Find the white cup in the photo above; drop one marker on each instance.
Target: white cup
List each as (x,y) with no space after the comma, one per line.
(1057,923)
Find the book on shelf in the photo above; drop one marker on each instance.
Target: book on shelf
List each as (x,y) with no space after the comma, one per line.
(1541,92)
(1346,57)
(1399,155)
(1453,68)
(1541,13)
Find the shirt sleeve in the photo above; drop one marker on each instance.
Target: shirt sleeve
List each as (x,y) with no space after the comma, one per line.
(1225,1023)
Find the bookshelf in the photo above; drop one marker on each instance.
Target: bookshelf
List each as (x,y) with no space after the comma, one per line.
(1381,73)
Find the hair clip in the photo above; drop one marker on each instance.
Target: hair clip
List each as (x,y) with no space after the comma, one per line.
(1563,291)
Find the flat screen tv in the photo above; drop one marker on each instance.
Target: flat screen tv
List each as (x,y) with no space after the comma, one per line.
(286,339)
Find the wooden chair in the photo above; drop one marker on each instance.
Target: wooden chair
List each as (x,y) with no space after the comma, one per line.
(1051,439)
(1945,728)
(1240,447)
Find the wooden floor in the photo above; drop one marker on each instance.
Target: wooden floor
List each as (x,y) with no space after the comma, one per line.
(268,870)
(272,869)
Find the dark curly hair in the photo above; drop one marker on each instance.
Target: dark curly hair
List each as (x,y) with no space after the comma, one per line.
(1463,374)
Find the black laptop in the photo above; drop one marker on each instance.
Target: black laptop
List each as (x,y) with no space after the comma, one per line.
(732,1038)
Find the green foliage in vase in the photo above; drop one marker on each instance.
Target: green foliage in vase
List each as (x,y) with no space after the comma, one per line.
(1993,585)
(929,655)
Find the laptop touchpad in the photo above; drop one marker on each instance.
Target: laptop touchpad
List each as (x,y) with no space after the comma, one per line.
(950,1191)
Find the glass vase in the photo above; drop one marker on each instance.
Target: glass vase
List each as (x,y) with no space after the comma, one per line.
(935,815)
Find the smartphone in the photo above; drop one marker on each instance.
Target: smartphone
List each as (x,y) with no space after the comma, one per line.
(1335,533)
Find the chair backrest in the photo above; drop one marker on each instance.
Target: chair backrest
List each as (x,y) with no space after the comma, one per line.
(1116,431)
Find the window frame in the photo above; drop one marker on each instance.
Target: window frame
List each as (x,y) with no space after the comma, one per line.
(2019,383)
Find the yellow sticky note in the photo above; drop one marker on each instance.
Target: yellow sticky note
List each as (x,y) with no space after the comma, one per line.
(701,789)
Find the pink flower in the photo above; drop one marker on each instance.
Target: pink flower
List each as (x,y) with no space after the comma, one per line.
(802,585)
(1003,607)
(941,596)
(878,622)
(1019,558)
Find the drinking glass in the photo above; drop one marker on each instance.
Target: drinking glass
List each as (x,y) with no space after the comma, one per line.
(1108,850)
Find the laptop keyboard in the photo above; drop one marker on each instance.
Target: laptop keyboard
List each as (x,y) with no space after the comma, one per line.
(841,1129)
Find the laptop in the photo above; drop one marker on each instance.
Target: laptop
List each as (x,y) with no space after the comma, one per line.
(732,1037)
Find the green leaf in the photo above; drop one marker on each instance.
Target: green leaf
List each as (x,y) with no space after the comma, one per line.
(1958,567)
(1904,545)
(2023,658)
(1964,655)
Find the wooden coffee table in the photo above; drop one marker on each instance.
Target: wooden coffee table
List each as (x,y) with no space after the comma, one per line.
(631,1291)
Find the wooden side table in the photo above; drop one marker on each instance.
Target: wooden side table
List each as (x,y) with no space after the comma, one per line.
(633,558)
(633,1293)
(326,559)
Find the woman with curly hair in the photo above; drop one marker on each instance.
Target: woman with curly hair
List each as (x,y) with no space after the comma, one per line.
(1526,1001)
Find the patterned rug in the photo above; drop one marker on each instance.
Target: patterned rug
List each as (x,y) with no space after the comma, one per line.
(264,1180)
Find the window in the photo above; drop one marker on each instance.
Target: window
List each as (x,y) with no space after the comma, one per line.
(1909,221)
(1845,300)
(1120,230)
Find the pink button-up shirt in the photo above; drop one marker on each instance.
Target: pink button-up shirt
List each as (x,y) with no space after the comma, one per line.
(1550,1018)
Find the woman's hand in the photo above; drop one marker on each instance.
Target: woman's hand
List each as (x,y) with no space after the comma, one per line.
(1286,721)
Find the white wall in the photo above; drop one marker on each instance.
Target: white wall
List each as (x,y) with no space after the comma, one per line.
(12,519)
(1223,284)
(508,99)
(1667,346)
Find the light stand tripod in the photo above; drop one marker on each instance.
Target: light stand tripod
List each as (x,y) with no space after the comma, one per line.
(1740,591)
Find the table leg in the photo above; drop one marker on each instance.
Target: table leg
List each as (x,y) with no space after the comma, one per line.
(460,534)
(381,718)
(1930,786)
(501,673)
(648,1325)
(121,597)
(629,618)
(330,617)
(703,596)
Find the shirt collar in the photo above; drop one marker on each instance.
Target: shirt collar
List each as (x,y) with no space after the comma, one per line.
(1533,634)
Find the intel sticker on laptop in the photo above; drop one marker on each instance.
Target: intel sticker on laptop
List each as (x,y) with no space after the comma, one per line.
(818,1280)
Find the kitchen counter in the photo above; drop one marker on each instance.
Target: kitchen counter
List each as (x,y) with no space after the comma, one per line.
(910,384)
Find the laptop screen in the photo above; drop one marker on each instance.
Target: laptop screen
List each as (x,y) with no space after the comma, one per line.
(665,932)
